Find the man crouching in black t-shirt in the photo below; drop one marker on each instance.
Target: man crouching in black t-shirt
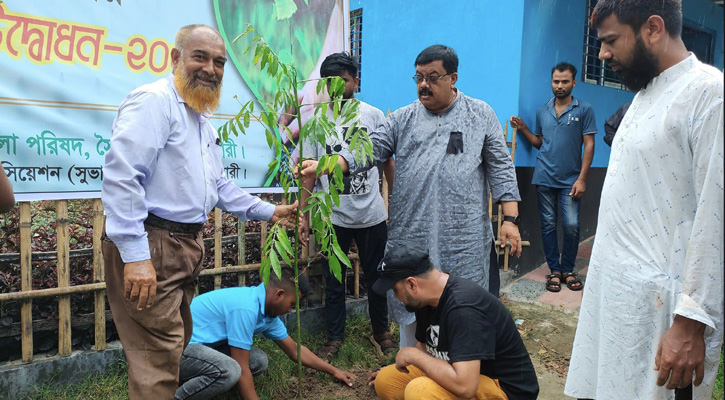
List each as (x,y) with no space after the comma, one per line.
(468,345)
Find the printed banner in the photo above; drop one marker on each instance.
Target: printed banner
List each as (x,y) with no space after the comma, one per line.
(68,64)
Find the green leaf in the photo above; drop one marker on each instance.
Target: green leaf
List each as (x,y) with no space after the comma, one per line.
(335,196)
(335,109)
(332,162)
(282,252)
(264,270)
(321,84)
(340,254)
(274,262)
(335,267)
(284,241)
(284,9)
(321,165)
(270,138)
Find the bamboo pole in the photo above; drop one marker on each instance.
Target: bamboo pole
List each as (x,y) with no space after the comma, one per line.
(264,230)
(26,309)
(63,268)
(217,246)
(241,251)
(52,292)
(513,144)
(356,277)
(99,276)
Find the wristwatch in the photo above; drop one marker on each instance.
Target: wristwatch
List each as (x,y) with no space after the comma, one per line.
(515,219)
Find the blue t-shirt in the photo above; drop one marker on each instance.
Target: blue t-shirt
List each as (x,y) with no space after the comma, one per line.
(233,315)
(560,156)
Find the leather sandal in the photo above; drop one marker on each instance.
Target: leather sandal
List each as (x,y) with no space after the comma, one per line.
(573,284)
(384,342)
(329,349)
(551,285)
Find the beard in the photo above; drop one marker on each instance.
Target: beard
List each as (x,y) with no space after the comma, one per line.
(563,94)
(410,304)
(641,69)
(200,98)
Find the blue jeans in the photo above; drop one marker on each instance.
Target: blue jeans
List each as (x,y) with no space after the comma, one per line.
(550,201)
(205,372)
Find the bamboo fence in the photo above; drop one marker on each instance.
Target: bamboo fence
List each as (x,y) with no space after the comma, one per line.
(64,290)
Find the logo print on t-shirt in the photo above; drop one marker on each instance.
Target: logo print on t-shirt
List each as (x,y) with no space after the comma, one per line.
(353,184)
(432,333)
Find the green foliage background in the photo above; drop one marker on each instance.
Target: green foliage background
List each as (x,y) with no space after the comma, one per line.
(308,25)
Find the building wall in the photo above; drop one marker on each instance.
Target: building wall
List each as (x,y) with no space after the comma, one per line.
(506,51)
(396,31)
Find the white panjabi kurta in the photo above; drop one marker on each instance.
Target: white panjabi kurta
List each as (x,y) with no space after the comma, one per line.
(659,243)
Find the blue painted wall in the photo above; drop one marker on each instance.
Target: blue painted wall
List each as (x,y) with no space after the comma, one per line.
(554,32)
(506,51)
(485,34)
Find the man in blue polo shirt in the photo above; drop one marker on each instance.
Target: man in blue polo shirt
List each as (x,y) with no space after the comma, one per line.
(563,124)
(220,353)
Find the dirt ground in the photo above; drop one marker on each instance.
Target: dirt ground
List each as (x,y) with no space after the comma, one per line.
(547,332)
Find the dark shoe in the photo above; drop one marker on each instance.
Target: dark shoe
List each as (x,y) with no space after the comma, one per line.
(384,343)
(551,284)
(574,283)
(330,349)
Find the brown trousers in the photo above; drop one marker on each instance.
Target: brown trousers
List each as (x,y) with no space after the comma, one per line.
(153,339)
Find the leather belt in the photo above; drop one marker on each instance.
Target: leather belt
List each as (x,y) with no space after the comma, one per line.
(171,226)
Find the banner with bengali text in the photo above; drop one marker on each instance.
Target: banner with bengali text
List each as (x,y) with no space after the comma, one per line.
(68,64)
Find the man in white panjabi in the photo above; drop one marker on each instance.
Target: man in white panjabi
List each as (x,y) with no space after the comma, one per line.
(651,320)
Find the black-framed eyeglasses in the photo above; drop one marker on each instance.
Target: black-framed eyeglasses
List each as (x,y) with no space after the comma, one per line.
(431,79)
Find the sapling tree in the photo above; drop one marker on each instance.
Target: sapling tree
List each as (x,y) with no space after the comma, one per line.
(279,247)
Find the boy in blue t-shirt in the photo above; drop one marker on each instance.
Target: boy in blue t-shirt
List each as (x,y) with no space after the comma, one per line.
(220,353)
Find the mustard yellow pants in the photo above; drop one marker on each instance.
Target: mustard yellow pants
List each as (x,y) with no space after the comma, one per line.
(392,384)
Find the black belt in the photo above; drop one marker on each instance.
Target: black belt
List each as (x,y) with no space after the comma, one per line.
(171,226)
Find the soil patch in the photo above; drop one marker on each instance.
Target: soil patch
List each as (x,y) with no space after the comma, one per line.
(548,333)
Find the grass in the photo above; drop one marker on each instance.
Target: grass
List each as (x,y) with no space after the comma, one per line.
(278,382)
(717,393)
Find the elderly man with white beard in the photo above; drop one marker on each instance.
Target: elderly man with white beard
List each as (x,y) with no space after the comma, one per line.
(162,177)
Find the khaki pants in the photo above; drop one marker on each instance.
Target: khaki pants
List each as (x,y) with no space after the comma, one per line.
(153,339)
(392,384)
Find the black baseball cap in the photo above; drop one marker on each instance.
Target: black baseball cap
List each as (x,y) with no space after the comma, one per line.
(400,262)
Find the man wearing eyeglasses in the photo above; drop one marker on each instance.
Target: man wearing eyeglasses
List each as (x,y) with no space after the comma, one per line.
(450,152)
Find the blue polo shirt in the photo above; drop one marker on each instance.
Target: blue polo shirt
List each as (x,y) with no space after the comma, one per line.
(560,156)
(233,315)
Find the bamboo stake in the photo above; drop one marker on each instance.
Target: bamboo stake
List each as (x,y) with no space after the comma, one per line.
(356,274)
(26,309)
(241,250)
(63,267)
(52,292)
(99,276)
(264,230)
(217,246)
(513,144)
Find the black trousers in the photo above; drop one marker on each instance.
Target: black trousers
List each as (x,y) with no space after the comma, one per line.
(371,246)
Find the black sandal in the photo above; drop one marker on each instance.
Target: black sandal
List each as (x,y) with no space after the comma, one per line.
(551,285)
(572,284)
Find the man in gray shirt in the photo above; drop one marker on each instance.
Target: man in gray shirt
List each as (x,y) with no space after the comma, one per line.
(361,215)
(448,146)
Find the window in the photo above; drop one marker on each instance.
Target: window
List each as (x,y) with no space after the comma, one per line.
(356,40)
(697,38)
(594,70)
